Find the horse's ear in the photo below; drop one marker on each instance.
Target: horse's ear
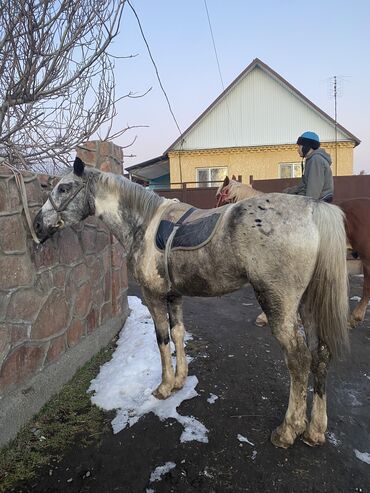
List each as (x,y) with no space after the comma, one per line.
(233,177)
(226,181)
(78,167)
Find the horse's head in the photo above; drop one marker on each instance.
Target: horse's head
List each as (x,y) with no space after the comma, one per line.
(233,190)
(68,203)
(223,192)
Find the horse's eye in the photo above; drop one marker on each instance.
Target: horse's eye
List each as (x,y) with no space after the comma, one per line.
(63,188)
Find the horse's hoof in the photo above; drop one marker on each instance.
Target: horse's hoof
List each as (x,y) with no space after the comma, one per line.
(282,440)
(313,439)
(162,392)
(179,383)
(353,323)
(261,320)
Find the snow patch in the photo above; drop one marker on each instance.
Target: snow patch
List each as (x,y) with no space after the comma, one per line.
(333,439)
(127,381)
(364,456)
(161,471)
(244,439)
(212,398)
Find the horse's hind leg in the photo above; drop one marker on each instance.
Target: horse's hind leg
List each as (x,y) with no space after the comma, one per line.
(158,311)
(298,359)
(177,335)
(315,432)
(359,311)
(261,320)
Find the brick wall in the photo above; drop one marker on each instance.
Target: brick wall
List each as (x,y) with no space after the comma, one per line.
(54,295)
(105,156)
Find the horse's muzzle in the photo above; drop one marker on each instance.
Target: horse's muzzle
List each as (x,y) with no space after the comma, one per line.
(44,232)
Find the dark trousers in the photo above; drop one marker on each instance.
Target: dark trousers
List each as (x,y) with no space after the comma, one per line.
(328,198)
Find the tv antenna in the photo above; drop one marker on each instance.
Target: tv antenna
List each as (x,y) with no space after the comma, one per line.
(335,92)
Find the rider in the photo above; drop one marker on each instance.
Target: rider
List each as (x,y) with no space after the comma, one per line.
(317,178)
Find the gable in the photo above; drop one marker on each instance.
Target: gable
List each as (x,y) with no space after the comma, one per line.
(258,109)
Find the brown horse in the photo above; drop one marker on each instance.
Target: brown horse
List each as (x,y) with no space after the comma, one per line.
(357,224)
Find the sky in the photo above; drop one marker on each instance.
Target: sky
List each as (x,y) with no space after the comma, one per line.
(306,43)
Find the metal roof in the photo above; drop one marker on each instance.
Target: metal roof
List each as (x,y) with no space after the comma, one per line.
(151,169)
(288,110)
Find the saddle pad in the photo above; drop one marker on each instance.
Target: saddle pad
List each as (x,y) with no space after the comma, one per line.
(190,235)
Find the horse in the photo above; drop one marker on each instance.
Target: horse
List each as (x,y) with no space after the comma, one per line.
(244,242)
(357,225)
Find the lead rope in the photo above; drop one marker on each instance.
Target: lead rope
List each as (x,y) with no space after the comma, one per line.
(22,192)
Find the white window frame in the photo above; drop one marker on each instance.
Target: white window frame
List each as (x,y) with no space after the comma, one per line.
(293,167)
(209,170)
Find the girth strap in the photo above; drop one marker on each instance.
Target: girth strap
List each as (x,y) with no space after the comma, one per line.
(169,245)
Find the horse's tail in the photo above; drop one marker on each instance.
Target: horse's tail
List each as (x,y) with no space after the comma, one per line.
(327,293)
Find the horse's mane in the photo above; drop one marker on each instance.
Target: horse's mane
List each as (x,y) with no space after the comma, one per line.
(135,196)
(239,191)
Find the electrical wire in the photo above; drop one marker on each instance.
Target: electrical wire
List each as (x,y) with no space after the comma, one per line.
(155,66)
(230,127)
(214,45)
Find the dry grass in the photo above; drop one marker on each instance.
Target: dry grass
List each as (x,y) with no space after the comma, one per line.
(69,417)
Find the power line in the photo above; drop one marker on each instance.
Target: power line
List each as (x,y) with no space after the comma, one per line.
(155,66)
(214,45)
(230,127)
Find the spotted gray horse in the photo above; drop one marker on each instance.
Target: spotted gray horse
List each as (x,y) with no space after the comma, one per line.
(291,249)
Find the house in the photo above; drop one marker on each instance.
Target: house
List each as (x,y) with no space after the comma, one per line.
(250,129)
(155,172)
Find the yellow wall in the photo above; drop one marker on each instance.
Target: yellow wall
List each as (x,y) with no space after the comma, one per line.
(261,162)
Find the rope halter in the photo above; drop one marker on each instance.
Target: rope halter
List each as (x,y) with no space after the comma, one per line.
(223,197)
(64,204)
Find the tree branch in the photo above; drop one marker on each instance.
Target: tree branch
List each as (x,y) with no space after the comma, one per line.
(57,85)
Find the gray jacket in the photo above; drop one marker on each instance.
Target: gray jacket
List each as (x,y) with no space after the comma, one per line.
(317,179)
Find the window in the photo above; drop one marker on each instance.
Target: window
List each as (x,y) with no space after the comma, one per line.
(290,170)
(210,175)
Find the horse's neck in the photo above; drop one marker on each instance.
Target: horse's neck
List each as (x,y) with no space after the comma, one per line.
(126,211)
(243,191)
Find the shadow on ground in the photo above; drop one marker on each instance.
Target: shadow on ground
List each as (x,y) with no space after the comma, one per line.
(242,365)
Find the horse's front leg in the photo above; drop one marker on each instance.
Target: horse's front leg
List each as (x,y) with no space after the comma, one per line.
(298,359)
(158,311)
(177,335)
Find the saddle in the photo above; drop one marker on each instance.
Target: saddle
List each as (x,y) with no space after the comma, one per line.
(191,228)
(183,227)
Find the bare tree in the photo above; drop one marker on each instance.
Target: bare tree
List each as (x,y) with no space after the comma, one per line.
(56,76)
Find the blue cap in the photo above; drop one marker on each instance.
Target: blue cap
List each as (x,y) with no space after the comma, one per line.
(310,136)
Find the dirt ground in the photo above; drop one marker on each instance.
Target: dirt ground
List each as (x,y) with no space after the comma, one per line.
(241,364)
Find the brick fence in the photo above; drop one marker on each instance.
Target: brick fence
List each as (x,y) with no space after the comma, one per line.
(56,298)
